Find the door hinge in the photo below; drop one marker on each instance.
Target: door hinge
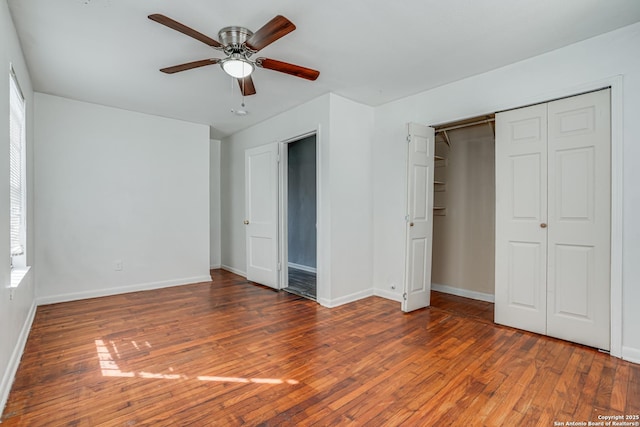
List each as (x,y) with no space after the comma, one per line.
(404,296)
(278,158)
(408,138)
(279,266)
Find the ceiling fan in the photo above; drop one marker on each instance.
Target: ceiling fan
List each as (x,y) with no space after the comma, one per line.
(239,44)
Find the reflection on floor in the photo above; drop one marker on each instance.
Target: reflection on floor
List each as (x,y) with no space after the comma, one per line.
(461,306)
(302,283)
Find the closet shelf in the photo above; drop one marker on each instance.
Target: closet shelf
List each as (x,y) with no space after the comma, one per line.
(439,185)
(439,211)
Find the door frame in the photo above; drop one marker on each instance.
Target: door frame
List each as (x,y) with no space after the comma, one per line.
(617,159)
(283,178)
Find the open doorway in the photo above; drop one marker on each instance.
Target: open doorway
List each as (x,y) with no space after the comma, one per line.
(300,217)
(464,217)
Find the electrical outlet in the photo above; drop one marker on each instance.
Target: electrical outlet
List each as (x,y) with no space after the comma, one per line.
(117,265)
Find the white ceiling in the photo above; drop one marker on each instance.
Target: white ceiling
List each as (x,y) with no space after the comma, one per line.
(371,51)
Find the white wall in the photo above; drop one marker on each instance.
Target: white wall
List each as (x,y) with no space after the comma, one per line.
(570,70)
(344,192)
(351,200)
(214,205)
(17,306)
(114,185)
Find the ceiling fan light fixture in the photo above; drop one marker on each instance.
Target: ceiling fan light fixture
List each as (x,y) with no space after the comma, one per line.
(237,66)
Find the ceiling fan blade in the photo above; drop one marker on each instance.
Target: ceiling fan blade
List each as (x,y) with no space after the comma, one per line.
(175,25)
(284,67)
(246,86)
(189,65)
(270,32)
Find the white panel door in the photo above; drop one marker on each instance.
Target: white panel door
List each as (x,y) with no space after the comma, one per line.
(417,282)
(578,287)
(521,218)
(261,220)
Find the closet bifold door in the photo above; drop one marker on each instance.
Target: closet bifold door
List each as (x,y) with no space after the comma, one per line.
(521,216)
(553,219)
(579,159)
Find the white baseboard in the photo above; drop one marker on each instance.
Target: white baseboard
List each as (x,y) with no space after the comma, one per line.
(631,354)
(215,267)
(74,296)
(302,267)
(234,270)
(345,299)
(16,355)
(393,296)
(463,292)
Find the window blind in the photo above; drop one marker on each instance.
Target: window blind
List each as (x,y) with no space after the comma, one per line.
(16,165)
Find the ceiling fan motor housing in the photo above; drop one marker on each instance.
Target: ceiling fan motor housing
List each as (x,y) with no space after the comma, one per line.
(233,38)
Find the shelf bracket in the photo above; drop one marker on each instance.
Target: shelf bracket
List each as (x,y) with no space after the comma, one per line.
(446,138)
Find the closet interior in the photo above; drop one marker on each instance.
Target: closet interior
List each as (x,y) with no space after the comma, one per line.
(463,260)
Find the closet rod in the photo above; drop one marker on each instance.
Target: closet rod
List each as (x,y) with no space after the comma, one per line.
(479,122)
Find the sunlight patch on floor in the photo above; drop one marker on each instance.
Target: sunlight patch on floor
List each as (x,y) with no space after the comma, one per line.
(110,368)
(248,380)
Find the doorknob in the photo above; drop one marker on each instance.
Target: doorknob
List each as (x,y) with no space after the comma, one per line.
(246,222)
(411,224)
(543,225)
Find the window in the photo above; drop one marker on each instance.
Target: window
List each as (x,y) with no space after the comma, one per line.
(17,172)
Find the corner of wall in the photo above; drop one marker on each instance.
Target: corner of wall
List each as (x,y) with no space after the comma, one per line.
(14,360)
(17,305)
(631,354)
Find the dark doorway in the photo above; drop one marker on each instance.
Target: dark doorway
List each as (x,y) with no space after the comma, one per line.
(301,217)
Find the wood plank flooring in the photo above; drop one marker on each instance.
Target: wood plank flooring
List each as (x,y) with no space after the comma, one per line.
(232,353)
(461,306)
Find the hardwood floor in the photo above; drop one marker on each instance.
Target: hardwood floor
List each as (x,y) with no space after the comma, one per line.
(231,353)
(461,306)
